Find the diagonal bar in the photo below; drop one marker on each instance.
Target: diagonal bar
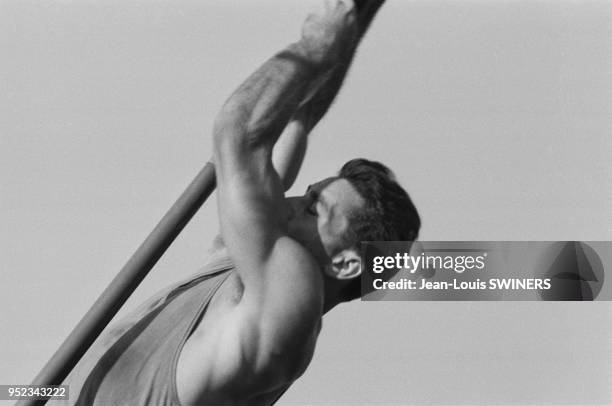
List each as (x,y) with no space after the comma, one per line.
(128,279)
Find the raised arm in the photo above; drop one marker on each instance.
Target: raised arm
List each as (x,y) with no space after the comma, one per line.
(249,190)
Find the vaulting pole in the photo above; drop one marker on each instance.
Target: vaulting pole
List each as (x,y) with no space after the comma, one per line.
(128,279)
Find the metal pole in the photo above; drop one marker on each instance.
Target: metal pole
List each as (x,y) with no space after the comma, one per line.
(128,279)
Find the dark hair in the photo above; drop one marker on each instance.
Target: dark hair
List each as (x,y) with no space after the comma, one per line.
(388,215)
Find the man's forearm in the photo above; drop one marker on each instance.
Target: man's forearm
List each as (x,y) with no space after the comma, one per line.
(315,108)
(291,147)
(260,108)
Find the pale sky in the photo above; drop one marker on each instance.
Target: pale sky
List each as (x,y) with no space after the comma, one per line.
(495,115)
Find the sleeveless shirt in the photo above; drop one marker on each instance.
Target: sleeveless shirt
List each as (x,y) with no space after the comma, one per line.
(134,363)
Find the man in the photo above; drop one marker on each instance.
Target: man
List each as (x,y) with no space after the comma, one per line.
(243,331)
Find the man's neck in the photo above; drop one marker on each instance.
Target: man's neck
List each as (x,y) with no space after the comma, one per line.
(332,294)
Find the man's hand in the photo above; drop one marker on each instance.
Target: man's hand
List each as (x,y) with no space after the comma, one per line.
(330,34)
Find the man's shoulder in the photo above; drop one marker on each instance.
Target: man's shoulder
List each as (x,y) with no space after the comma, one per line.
(293,288)
(292,256)
(293,276)
(289,314)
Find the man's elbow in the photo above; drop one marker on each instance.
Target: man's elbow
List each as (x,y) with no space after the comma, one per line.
(226,127)
(231,130)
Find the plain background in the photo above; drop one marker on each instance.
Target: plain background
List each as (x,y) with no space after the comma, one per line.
(495,115)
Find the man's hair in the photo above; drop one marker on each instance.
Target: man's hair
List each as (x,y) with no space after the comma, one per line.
(388,215)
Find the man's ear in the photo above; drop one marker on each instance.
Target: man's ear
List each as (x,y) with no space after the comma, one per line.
(346,264)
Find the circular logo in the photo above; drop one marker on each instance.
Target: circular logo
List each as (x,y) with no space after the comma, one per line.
(576,272)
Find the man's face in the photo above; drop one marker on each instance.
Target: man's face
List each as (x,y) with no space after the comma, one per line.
(320,217)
